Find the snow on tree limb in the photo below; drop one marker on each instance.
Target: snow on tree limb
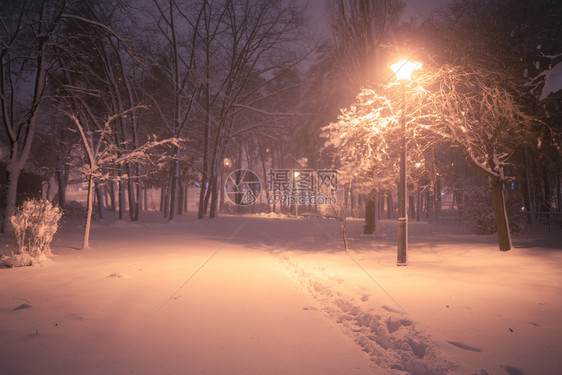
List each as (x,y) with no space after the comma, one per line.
(462,105)
(552,81)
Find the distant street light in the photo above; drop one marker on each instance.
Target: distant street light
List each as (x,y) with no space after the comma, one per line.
(403,70)
(296,175)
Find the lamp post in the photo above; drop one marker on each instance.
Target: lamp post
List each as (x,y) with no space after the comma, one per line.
(403,70)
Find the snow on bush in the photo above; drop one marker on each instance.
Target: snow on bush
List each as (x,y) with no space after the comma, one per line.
(35,223)
(478,212)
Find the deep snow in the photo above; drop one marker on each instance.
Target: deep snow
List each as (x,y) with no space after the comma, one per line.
(272,295)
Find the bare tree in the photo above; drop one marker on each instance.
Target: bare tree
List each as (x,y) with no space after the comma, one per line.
(102,153)
(54,150)
(104,60)
(180,29)
(25,35)
(359,28)
(249,54)
(476,113)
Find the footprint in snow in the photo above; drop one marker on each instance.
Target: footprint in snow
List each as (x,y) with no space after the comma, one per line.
(390,309)
(23,306)
(512,370)
(460,345)
(310,308)
(115,275)
(394,325)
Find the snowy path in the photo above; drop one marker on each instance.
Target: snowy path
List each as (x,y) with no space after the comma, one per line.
(98,311)
(280,297)
(461,305)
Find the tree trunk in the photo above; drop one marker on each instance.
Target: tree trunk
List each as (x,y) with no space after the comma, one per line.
(237,197)
(89,208)
(438,198)
(206,137)
(121,196)
(61,182)
(352,202)
(11,196)
(112,194)
(180,199)
(389,207)
(430,205)
(411,206)
(558,192)
(172,193)
(202,191)
(21,136)
(214,197)
(145,196)
(173,188)
(263,157)
(140,195)
(100,200)
(221,198)
(186,199)
(131,193)
(133,199)
(500,213)
(418,211)
(370,210)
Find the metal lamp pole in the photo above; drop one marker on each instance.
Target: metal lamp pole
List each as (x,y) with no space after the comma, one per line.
(403,71)
(402,256)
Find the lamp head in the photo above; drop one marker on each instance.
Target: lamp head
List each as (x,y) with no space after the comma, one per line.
(403,69)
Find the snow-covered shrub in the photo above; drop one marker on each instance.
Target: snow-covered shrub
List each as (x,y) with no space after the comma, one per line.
(478,212)
(35,222)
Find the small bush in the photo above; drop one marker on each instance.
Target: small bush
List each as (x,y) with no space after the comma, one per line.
(478,212)
(35,224)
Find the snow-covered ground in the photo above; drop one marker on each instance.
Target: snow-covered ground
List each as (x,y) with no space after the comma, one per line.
(273,295)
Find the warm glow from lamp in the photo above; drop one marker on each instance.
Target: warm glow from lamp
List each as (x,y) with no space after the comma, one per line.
(403,69)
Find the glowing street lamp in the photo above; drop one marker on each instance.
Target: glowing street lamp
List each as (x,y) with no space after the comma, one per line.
(403,70)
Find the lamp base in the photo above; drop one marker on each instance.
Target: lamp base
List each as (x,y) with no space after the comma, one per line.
(402,258)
